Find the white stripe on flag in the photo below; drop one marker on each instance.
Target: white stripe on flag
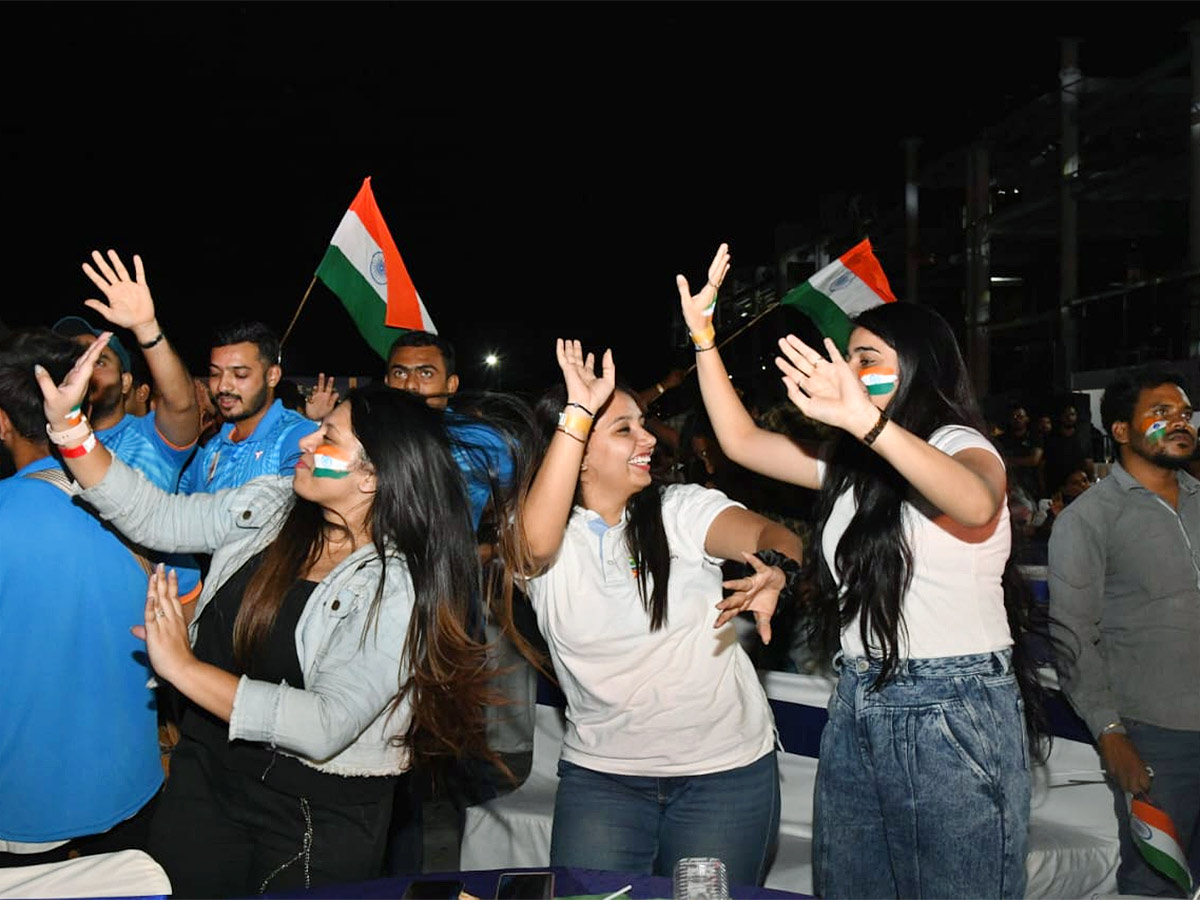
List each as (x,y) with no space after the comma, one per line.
(846,289)
(361,251)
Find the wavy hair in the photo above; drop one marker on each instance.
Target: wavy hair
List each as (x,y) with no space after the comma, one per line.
(419,512)
(873,559)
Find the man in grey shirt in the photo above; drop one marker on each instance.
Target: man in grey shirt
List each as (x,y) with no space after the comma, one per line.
(1124,579)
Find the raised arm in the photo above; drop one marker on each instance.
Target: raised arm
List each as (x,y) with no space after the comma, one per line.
(129,305)
(147,515)
(547,505)
(742,440)
(969,486)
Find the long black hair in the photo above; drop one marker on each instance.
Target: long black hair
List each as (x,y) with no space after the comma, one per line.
(419,512)
(645,535)
(873,559)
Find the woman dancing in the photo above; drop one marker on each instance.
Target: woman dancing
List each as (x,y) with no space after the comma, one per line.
(670,743)
(329,650)
(923,784)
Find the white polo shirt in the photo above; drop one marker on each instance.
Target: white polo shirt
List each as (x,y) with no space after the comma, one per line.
(955,601)
(684,700)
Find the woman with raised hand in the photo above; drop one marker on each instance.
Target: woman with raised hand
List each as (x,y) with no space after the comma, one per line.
(670,743)
(328,652)
(923,783)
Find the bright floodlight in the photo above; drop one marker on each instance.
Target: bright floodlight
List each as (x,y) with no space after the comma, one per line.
(492,359)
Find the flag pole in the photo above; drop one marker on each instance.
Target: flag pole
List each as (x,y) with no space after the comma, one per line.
(296,315)
(769,309)
(690,369)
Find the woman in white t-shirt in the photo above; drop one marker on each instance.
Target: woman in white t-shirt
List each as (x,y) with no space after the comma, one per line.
(670,744)
(923,782)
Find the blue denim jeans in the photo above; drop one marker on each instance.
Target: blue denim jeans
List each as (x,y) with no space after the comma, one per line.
(1175,758)
(923,786)
(645,824)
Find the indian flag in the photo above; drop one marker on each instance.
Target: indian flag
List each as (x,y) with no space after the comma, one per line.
(852,283)
(363,268)
(1156,838)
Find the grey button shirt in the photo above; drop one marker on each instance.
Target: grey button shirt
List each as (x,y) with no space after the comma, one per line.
(1124,580)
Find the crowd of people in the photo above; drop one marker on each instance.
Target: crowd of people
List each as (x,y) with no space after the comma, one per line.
(277,613)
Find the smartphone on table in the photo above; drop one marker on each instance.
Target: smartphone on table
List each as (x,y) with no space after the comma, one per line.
(525,886)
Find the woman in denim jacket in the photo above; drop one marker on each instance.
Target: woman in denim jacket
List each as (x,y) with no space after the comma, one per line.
(327,652)
(923,784)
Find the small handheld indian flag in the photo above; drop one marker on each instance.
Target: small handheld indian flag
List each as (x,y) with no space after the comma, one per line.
(852,283)
(1156,838)
(363,268)
(330,462)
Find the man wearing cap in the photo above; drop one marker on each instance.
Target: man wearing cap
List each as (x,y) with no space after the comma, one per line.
(260,435)
(159,443)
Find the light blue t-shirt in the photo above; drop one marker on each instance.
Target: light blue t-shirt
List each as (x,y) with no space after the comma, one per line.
(78,725)
(271,449)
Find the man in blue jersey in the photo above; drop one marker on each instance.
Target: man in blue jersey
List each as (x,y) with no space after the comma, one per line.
(159,443)
(424,363)
(260,435)
(79,757)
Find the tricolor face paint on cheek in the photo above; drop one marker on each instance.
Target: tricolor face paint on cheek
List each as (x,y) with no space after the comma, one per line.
(331,462)
(1154,428)
(879,379)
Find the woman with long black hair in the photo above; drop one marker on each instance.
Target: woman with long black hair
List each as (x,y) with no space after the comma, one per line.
(670,743)
(329,649)
(923,784)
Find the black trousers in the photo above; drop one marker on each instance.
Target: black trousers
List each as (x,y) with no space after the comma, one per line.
(132,834)
(219,833)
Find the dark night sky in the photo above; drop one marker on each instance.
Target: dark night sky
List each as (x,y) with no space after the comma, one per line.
(545,168)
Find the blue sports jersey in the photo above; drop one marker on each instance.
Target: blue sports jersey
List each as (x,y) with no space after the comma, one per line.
(271,449)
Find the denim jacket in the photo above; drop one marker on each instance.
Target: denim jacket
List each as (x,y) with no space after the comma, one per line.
(340,722)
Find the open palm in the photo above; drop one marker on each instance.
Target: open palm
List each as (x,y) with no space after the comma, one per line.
(698,308)
(129,303)
(584,386)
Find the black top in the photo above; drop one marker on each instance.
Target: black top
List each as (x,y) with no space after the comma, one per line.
(275,660)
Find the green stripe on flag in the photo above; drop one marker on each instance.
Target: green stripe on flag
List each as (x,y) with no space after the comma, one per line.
(365,306)
(829,318)
(1165,863)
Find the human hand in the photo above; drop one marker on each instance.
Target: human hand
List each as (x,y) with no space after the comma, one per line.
(698,308)
(165,630)
(826,390)
(579,374)
(322,400)
(757,593)
(1124,763)
(60,401)
(129,302)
